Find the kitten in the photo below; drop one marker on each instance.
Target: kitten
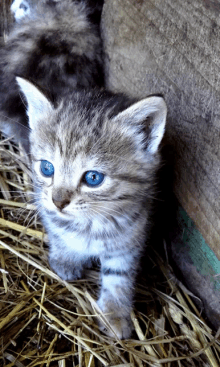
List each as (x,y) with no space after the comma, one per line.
(94,158)
(54,44)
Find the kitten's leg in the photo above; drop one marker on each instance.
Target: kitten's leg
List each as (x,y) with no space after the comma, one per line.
(67,264)
(20,8)
(118,275)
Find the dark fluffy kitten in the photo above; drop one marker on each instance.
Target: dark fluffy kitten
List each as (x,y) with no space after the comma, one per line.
(56,45)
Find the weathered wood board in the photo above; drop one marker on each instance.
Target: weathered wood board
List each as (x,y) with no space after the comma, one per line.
(173,48)
(5,19)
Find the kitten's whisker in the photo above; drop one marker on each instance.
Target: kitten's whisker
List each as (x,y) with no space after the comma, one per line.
(104,224)
(22,193)
(17,191)
(104,207)
(113,210)
(13,120)
(21,212)
(22,100)
(34,215)
(31,185)
(101,216)
(29,201)
(115,229)
(30,214)
(111,221)
(17,160)
(14,199)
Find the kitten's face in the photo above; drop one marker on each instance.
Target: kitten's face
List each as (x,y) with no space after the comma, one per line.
(88,164)
(87,170)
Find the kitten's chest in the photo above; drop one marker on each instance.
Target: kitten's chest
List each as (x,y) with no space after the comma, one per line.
(82,244)
(73,241)
(89,238)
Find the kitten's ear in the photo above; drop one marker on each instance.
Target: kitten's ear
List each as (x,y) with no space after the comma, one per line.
(148,116)
(38,104)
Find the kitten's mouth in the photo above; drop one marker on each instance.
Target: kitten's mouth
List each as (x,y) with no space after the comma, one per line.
(61,212)
(64,213)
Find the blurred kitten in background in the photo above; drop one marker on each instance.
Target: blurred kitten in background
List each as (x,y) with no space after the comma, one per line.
(56,45)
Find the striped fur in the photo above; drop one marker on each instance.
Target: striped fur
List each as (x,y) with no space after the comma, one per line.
(87,129)
(107,133)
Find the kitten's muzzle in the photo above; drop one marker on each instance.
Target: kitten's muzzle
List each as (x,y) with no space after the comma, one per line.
(61,204)
(61,198)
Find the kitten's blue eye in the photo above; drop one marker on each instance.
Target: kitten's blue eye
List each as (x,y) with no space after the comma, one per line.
(93,178)
(47,168)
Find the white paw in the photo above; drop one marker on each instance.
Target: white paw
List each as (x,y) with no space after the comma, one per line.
(114,321)
(120,327)
(20,8)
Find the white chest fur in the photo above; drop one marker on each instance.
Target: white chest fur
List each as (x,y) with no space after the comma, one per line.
(72,241)
(82,245)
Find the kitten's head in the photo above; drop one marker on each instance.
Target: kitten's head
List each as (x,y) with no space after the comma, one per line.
(95,155)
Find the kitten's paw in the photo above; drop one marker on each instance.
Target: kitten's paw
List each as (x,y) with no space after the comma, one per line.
(69,275)
(66,271)
(121,327)
(116,321)
(20,8)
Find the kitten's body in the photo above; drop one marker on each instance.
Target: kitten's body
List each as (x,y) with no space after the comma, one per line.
(113,138)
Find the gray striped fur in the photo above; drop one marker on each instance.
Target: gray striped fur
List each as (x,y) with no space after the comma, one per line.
(107,133)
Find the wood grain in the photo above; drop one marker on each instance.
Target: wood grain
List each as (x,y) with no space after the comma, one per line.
(6,19)
(173,48)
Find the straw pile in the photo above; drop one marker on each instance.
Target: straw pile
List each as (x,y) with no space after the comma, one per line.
(45,321)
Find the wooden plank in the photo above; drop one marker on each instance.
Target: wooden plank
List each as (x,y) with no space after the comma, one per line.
(198,265)
(5,19)
(173,48)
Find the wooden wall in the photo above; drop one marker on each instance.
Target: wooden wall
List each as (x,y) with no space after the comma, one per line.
(173,48)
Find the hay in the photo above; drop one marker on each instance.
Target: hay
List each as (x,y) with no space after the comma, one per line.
(45,321)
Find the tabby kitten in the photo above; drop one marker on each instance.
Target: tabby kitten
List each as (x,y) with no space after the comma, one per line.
(94,158)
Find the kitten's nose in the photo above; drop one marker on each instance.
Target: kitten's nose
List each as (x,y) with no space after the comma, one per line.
(61,198)
(61,204)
